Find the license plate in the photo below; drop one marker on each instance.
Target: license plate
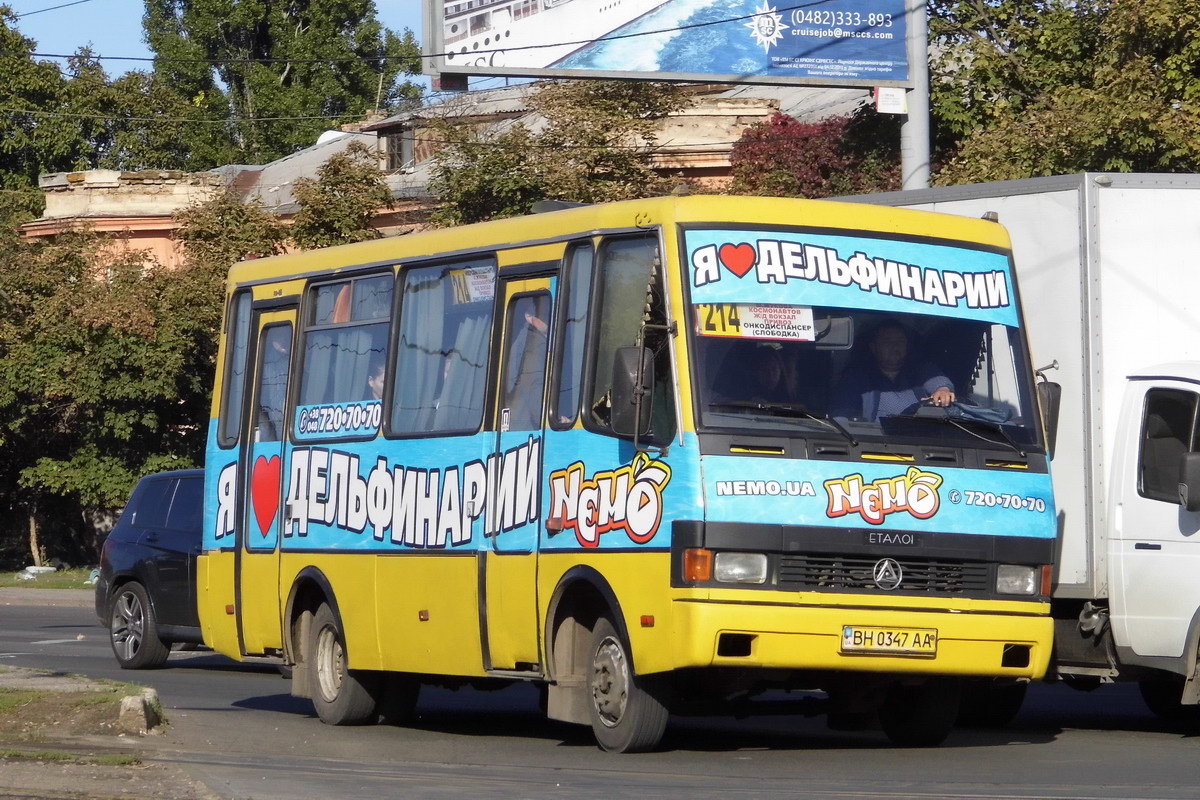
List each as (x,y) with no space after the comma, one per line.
(903,641)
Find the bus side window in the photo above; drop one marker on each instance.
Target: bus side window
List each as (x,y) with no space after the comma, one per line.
(236,347)
(525,363)
(564,400)
(346,339)
(627,271)
(442,349)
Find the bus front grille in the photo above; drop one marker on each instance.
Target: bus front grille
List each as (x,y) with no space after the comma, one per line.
(857,574)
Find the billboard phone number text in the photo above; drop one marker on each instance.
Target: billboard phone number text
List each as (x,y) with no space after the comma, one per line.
(803,16)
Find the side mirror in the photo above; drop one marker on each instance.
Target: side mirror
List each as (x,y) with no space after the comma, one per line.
(1189,481)
(1050,398)
(632,388)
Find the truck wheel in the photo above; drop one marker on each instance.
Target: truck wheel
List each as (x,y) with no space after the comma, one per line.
(922,715)
(988,704)
(627,711)
(341,696)
(133,630)
(1162,695)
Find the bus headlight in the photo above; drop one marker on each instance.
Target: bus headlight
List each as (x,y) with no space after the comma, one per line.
(740,568)
(1014,579)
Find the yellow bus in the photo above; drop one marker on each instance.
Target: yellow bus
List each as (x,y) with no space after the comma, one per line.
(652,456)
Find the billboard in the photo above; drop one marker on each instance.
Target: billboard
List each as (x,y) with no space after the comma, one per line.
(857,43)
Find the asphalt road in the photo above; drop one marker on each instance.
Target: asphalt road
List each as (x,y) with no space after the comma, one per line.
(236,727)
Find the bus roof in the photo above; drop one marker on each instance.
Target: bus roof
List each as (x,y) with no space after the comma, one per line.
(626,215)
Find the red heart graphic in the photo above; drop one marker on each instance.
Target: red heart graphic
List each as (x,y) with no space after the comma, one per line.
(264,490)
(737,258)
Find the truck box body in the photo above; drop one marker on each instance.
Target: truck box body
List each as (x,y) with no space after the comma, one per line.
(1109,274)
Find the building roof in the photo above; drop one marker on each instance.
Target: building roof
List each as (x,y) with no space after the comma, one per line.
(273,184)
(505,101)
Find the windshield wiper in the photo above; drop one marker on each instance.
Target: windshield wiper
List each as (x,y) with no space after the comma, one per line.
(790,409)
(958,423)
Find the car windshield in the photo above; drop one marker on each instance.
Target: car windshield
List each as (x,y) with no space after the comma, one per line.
(863,375)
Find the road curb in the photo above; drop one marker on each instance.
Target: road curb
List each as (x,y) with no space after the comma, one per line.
(139,713)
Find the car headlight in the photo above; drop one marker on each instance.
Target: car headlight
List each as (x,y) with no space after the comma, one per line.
(740,567)
(1014,579)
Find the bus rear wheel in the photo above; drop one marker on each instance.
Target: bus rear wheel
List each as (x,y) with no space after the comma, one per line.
(627,712)
(922,715)
(987,703)
(341,696)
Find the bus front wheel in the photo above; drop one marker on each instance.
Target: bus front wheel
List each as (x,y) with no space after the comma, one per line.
(627,712)
(921,715)
(341,696)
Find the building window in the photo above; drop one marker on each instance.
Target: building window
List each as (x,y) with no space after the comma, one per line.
(399,150)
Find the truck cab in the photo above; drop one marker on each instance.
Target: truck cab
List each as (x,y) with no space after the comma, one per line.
(1153,539)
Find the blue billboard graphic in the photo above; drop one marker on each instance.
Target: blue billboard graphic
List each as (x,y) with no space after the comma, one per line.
(838,42)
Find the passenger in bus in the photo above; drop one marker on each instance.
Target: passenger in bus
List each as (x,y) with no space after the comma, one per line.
(375,380)
(757,372)
(529,372)
(889,381)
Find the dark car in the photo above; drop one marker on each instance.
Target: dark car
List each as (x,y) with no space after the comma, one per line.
(146,592)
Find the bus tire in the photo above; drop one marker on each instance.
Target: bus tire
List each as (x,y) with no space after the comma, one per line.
(921,715)
(341,696)
(627,712)
(988,704)
(398,699)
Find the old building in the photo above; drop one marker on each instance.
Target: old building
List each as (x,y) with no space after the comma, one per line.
(137,208)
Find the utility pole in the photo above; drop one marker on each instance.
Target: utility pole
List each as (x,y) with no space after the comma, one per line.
(914,133)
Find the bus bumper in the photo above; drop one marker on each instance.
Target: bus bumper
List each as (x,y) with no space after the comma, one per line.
(988,643)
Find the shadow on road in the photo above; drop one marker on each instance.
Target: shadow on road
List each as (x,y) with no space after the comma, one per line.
(513,712)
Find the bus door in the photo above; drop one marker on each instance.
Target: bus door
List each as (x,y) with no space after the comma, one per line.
(257,566)
(510,560)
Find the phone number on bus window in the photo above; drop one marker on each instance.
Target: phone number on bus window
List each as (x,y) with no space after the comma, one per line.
(351,418)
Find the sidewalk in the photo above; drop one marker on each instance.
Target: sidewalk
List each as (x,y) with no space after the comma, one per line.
(73,598)
(56,747)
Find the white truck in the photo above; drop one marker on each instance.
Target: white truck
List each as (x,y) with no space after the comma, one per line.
(1109,276)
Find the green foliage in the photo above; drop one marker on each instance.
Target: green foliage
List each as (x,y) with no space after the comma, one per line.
(1057,86)
(101,379)
(338,205)
(29,146)
(837,156)
(224,230)
(593,143)
(489,175)
(363,68)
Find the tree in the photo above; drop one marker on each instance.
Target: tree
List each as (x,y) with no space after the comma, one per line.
(836,156)
(252,60)
(592,141)
(338,205)
(107,358)
(1059,86)
(219,232)
(100,383)
(153,126)
(27,144)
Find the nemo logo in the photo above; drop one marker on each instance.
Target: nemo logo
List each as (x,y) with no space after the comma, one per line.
(629,498)
(915,492)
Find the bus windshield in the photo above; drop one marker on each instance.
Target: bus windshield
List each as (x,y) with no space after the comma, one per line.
(858,336)
(862,375)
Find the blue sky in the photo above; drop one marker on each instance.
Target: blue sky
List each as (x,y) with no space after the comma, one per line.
(114,27)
